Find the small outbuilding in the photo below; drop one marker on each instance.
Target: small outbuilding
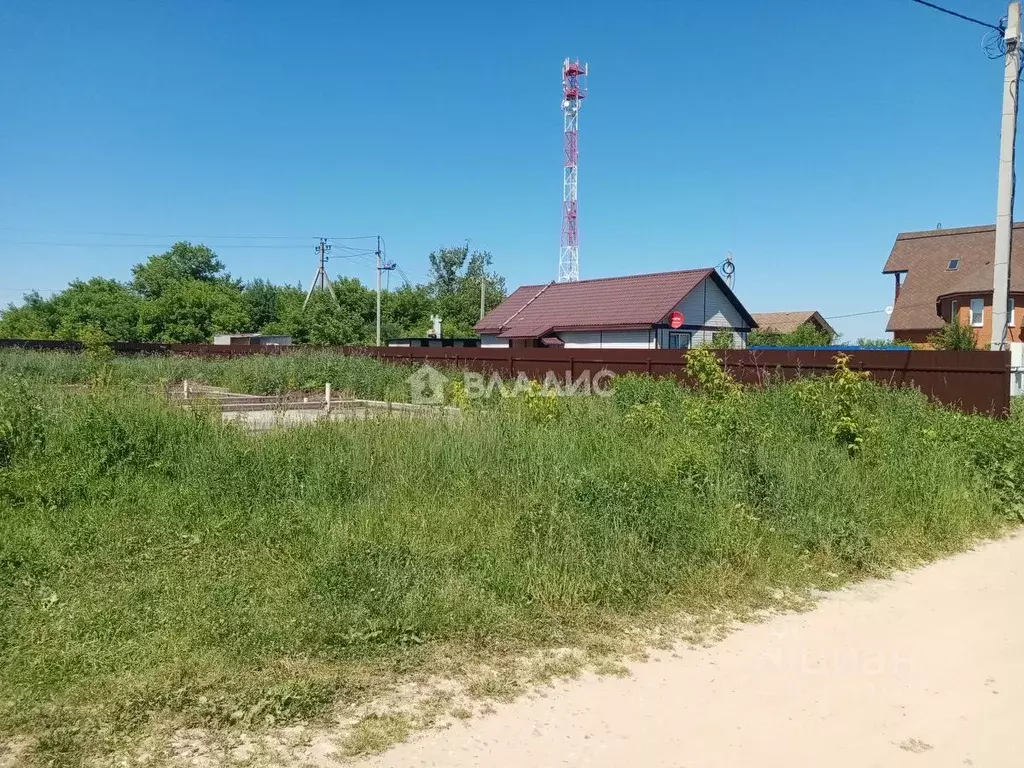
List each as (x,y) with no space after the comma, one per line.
(251,340)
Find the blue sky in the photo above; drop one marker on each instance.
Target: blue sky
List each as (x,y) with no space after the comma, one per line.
(800,135)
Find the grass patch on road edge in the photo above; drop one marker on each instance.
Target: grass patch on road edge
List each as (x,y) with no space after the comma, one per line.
(161,571)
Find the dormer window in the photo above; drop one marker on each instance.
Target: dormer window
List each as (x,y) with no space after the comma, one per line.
(953,266)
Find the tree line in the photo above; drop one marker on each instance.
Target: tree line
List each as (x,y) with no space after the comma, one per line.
(186,296)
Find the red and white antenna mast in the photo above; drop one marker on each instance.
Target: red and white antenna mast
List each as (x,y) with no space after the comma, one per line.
(574,90)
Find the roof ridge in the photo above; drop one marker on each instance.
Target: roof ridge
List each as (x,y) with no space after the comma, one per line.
(633,277)
(535,297)
(952,231)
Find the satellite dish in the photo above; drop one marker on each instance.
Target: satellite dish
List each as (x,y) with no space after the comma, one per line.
(888,310)
(676,320)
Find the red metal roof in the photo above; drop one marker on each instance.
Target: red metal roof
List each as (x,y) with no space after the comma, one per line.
(635,301)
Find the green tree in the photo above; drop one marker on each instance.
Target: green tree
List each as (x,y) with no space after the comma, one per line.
(954,336)
(192,311)
(288,318)
(182,262)
(99,304)
(34,319)
(260,299)
(324,322)
(722,340)
(184,295)
(880,343)
(406,312)
(456,276)
(806,335)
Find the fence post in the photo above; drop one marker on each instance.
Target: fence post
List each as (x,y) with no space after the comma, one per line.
(327,397)
(184,389)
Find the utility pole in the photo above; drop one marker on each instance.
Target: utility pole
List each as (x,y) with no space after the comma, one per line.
(483,288)
(379,267)
(382,266)
(1004,209)
(320,279)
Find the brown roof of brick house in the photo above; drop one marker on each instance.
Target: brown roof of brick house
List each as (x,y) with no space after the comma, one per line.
(925,258)
(787,322)
(636,301)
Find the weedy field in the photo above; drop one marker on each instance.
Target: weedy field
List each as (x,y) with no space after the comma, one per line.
(360,377)
(160,570)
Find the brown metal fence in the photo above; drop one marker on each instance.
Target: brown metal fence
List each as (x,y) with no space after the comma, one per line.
(974,382)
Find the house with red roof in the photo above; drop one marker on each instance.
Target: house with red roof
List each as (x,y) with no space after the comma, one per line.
(664,310)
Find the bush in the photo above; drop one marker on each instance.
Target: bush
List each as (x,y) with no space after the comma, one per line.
(954,336)
(806,335)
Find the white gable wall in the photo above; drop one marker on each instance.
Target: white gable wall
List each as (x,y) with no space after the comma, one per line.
(708,308)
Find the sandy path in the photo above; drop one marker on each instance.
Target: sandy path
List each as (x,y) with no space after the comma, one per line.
(923,670)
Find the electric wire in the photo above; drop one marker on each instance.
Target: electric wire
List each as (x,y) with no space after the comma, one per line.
(957,14)
(182,237)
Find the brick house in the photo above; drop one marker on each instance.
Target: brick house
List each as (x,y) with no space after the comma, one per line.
(665,310)
(944,275)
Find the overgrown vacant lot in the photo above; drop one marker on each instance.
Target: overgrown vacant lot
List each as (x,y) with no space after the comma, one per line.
(160,570)
(257,375)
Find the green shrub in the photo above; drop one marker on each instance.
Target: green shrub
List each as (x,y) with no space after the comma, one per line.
(707,374)
(954,336)
(806,335)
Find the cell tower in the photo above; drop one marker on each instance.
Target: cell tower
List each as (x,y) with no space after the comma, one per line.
(574,90)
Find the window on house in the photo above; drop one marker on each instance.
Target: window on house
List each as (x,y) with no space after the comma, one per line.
(678,340)
(977,312)
(953,266)
(954,310)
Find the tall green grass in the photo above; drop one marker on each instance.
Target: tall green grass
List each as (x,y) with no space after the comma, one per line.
(357,376)
(158,568)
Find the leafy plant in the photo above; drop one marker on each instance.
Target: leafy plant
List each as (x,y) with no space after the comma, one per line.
(806,335)
(954,336)
(708,375)
(881,343)
(722,340)
(836,401)
(648,418)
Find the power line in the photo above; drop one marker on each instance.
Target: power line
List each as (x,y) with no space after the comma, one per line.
(857,314)
(955,14)
(42,243)
(183,237)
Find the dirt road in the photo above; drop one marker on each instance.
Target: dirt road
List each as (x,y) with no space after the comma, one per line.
(924,670)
